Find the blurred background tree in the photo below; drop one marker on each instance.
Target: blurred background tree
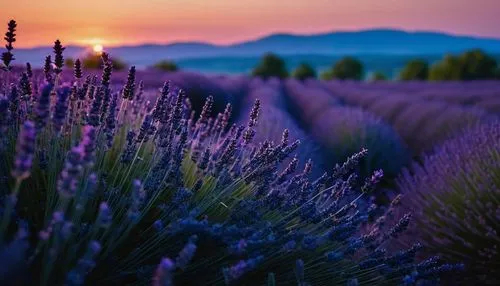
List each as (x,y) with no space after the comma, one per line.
(166,65)
(447,69)
(326,75)
(304,71)
(94,61)
(415,70)
(476,64)
(348,68)
(378,76)
(271,65)
(471,65)
(69,62)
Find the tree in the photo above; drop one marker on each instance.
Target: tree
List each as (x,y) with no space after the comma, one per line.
(326,75)
(471,65)
(348,68)
(477,65)
(166,65)
(415,70)
(271,65)
(94,61)
(448,68)
(378,76)
(304,71)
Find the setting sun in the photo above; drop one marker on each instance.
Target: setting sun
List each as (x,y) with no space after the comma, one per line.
(98,48)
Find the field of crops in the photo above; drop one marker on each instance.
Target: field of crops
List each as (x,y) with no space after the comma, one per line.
(141,177)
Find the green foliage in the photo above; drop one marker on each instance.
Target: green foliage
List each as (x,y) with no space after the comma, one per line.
(477,65)
(326,75)
(447,69)
(415,70)
(472,65)
(304,71)
(166,65)
(271,65)
(378,76)
(94,61)
(348,68)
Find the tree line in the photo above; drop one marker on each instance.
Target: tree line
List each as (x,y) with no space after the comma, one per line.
(470,65)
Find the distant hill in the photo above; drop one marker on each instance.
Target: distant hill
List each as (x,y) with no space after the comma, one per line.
(366,42)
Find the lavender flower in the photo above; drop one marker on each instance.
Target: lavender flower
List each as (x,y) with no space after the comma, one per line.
(163,274)
(25,149)
(58,58)
(10,37)
(70,176)
(78,69)
(29,71)
(186,254)
(61,107)
(47,69)
(128,90)
(42,111)
(77,275)
(450,195)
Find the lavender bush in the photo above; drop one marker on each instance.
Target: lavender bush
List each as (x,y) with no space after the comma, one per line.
(341,130)
(455,197)
(101,186)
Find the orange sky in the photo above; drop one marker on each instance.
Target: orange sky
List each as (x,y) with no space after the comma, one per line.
(117,22)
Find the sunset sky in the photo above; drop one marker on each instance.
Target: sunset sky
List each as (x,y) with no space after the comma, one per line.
(126,22)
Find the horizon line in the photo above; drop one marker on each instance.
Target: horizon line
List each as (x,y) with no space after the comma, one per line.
(275,33)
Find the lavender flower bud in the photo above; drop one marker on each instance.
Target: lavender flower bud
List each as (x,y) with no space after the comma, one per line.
(88,144)
(43,107)
(128,90)
(187,253)
(25,85)
(109,128)
(47,69)
(163,273)
(29,71)
(147,124)
(107,70)
(77,275)
(61,108)
(10,37)
(105,216)
(70,175)
(14,102)
(78,69)
(239,269)
(58,58)
(25,149)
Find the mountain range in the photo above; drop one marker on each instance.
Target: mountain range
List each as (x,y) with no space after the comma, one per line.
(366,42)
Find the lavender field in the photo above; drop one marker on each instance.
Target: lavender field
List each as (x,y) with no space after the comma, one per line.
(142,177)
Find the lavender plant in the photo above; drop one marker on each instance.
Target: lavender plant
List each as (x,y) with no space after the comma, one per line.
(98,194)
(455,197)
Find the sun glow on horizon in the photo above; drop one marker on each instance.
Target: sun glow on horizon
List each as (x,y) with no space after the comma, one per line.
(97,48)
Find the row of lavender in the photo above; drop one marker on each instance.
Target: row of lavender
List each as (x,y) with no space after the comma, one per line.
(453,193)
(109,184)
(422,123)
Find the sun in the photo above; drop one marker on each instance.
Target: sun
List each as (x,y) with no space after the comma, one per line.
(98,48)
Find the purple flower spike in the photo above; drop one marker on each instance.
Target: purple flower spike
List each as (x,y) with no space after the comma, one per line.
(25,149)
(43,107)
(61,108)
(163,274)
